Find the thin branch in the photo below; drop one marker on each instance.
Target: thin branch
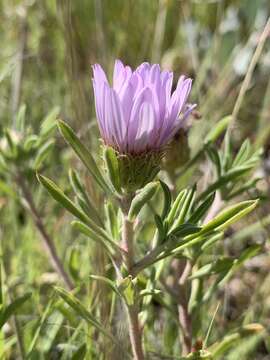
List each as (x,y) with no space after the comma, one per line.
(135,331)
(264,35)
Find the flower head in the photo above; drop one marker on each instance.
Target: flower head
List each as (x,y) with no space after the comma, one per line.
(139,113)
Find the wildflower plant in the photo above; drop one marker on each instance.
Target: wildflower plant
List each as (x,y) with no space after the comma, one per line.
(138,118)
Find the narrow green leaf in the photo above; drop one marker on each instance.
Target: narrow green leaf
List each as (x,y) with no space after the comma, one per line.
(113,168)
(141,199)
(81,310)
(215,158)
(198,214)
(60,197)
(49,123)
(112,220)
(108,282)
(250,252)
(185,208)
(184,230)
(219,348)
(160,226)
(85,202)
(229,216)
(218,129)
(31,142)
(176,205)
(167,199)
(43,153)
(7,311)
(227,154)
(215,267)
(102,238)
(243,154)
(82,152)
(151,292)
(127,290)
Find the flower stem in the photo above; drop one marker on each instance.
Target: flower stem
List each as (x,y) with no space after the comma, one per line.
(135,332)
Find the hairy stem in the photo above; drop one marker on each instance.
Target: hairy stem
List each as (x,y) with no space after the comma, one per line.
(135,332)
(47,241)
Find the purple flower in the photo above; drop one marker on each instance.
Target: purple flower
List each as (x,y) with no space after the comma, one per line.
(139,113)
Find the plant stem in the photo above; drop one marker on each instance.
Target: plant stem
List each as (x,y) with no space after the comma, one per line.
(184,317)
(135,332)
(47,241)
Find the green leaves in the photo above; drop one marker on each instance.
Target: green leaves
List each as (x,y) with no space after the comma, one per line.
(199,213)
(230,171)
(141,199)
(167,199)
(87,226)
(7,311)
(127,289)
(82,152)
(229,216)
(113,168)
(98,235)
(82,311)
(84,201)
(60,197)
(218,129)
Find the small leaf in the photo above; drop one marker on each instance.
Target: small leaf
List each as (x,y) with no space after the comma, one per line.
(186,205)
(198,214)
(229,216)
(84,201)
(152,292)
(216,267)
(243,154)
(184,230)
(112,220)
(126,288)
(7,311)
(176,205)
(227,154)
(42,154)
(49,123)
(218,129)
(60,197)
(215,158)
(108,282)
(250,252)
(141,199)
(167,199)
(82,152)
(101,239)
(160,226)
(81,310)
(113,168)
(30,143)
(219,348)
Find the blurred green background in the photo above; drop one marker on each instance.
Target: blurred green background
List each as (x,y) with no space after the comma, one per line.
(47,49)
